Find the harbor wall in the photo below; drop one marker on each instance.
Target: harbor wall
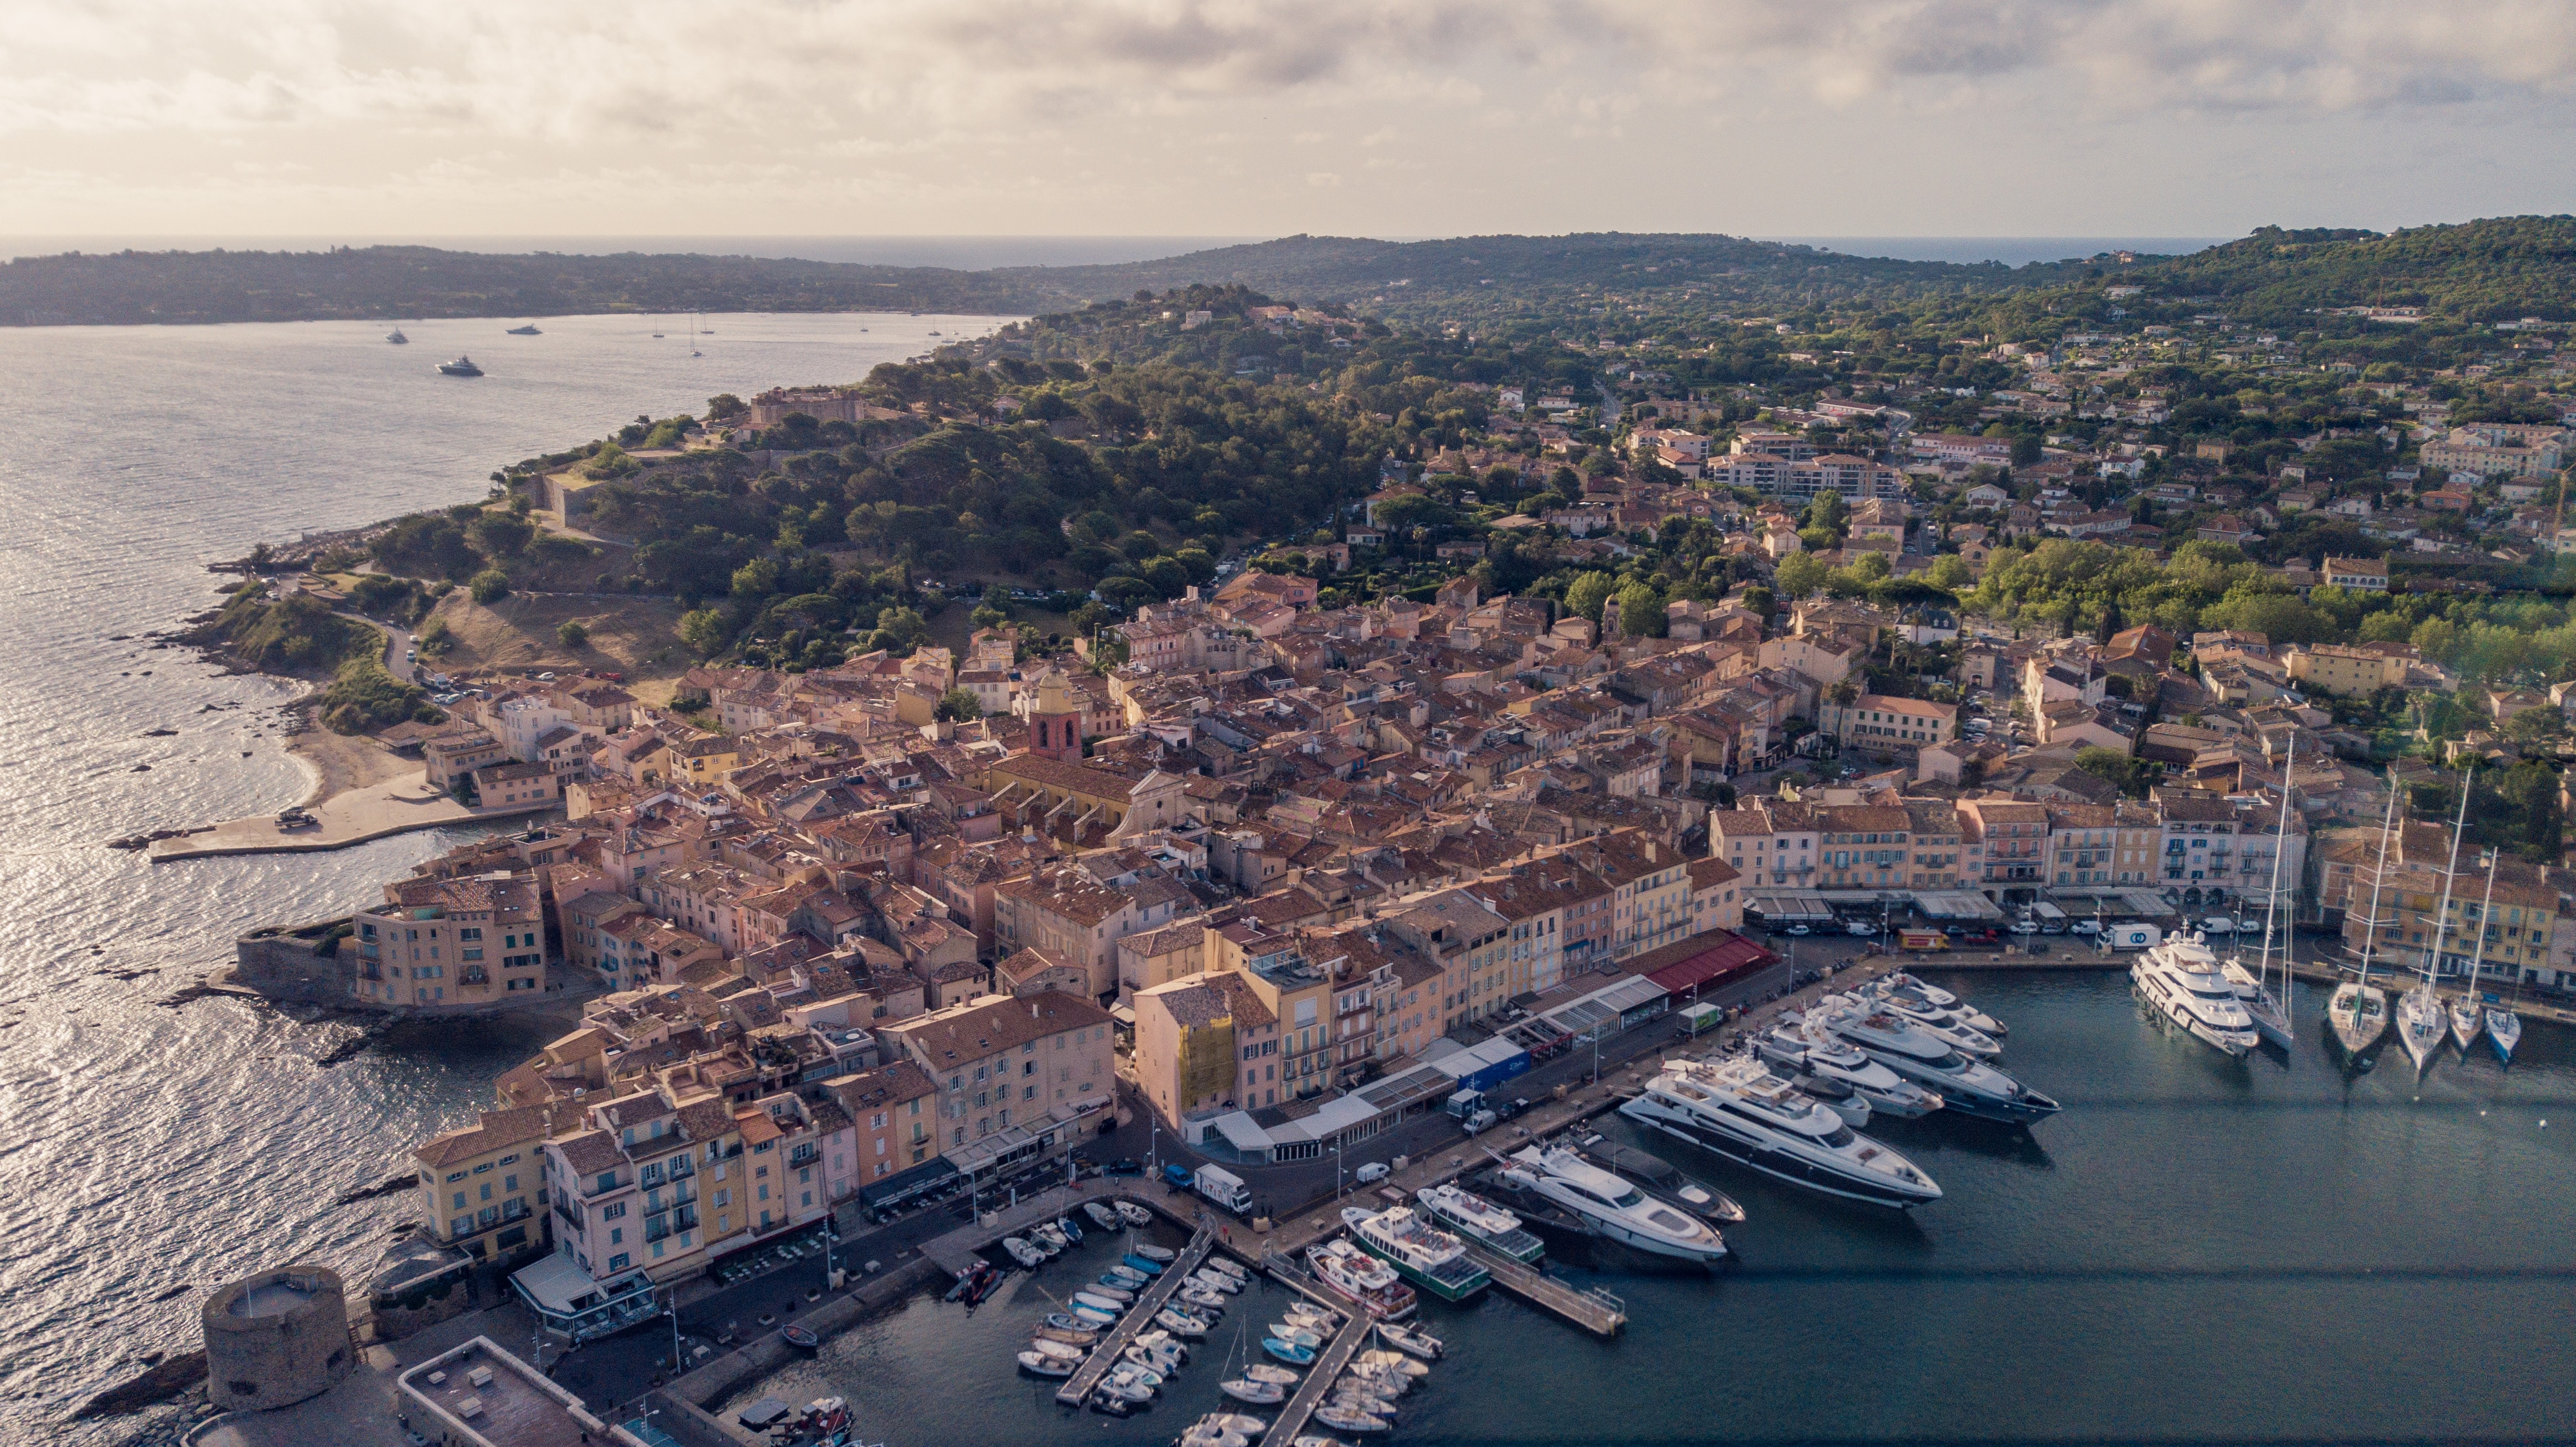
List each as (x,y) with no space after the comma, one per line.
(284,964)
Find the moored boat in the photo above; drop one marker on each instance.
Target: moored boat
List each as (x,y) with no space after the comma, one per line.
(1412,1341)
(1741,1110)
(1289,1351)
(1420,1252)
(1345,1271)
(1480,1220)
(1609,1205)
(1038,1363)
(1260,1394)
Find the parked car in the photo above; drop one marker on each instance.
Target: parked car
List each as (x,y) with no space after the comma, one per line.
(1372,1173)
(1126,1167)
(1178,1177)
(1859,927)
(2086,927)
(1795,929)
(1954,931)
(2218,924)
(2023,927)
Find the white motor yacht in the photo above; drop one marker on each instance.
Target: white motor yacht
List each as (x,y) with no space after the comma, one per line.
(1741,1111)
(1610,1205)
(2181,981)
(1967,1086)
(1910,995)
(1943,1025)
(1888,1093)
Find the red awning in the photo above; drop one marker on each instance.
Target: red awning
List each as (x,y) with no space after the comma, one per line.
(1725,956)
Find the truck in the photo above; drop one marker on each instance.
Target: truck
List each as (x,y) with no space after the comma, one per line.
(1225,1188)
(2128,937)
(1922,939)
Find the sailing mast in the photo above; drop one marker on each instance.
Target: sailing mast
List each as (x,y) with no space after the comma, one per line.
(2466,1018)
(2280,846)
(2421,1020)
(2378,872)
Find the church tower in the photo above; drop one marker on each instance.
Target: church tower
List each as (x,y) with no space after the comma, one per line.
(1055,719)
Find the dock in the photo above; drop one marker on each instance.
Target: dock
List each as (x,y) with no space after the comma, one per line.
(1077,1388)
(1596,1311)
(1336,1355)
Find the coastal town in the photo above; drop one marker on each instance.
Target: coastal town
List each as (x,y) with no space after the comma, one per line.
(1565,735)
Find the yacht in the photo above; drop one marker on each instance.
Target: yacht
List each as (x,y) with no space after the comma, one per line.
(530,330)
(1905,993)
(1609,1205)
(2467,1019)
(2270,1013)
(1360,1279)
(1420,1252)
(2504,1031)
(1742,1111)
(1833,1095)
(1950,1027)
(2358,1009)
(2421,1020)
(397,338)
(1888,1093)
(2270,1021)
(461,367)
(1480,1221)
(1967,1086)
(2180,980)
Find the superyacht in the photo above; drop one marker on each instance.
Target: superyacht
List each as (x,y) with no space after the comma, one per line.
(1608,1205)
(1967,1086)
(2180,979)
(1888,1093)
(1741,1111)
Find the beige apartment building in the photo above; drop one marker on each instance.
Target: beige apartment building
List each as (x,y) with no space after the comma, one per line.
(451,944)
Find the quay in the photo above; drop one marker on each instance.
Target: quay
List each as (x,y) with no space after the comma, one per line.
(354,816)
(1077,1388)
(1595,1310)
(1329,1362)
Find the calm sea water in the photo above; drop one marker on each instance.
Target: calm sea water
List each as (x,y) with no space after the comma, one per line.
(144,1150)
(2197,1250)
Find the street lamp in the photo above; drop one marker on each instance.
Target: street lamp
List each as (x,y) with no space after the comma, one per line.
(1337,1170)
(674,1310)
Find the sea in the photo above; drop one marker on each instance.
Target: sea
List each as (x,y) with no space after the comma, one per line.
(147,1152)
(2198,1250)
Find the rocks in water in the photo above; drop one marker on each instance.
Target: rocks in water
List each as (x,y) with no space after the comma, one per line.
(164,1380)
(160,733)
(385,1187)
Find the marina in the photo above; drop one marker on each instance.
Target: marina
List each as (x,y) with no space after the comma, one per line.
(1078,1388)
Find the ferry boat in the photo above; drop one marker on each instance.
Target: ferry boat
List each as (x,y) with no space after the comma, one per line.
(1742,1111)
(2181,980)
(1480,1221)
(461,367)
(1609,1205)
(1420,1252)
(1361,1279)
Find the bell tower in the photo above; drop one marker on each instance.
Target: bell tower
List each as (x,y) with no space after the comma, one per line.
(1055,719)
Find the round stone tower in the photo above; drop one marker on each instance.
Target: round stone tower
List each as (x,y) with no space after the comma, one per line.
(277,1338)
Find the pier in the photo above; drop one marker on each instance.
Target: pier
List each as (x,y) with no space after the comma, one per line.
(1596,1311)
(1329,1362)
(1077,1388)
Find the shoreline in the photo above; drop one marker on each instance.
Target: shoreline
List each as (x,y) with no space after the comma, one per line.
(381,808)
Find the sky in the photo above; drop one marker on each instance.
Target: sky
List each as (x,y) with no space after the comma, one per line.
(1849,118)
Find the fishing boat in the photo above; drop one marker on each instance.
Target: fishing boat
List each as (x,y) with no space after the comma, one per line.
(2467,1018)
(799,1337)
(1259,1394)
(2421,1020)
(1480,1221)
(1071,1336)
(1289,1351)
(1103,1215)
(1140,1263)
(1133,1214)
(461,367)
(1038,1363)
(1355,1276)
(1412,1341)
(2357,1012)
(1420,1252)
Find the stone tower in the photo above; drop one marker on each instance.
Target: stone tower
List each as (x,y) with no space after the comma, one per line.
(1055,719)
(277,1338)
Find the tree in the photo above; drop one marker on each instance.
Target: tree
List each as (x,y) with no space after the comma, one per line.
(1641,611)
(725,406)
(1799,575)
(573,636)
(2025,450)
(900,628)
(491,586)
(1952,572)
(704,631)
(501,534)
(960,705)
(1585,595)
(2115,767)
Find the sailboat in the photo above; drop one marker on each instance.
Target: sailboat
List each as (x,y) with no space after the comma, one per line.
(2271,1014)
(2358,1010)
(693,327)
(2504,1031)
(2420,1019)
(2466,1018)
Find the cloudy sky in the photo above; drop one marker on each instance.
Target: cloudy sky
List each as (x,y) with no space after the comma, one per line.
(361,118)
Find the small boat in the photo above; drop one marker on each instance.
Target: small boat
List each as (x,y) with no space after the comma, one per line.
(1110,1288)
(1238,1422)
(1066,1321)
(1104,1400)
(1162,1363)
(1208,1434)
(530,330)
(1133,1214)
(1103,1215)
(1047,1238)
(1312,1318)
(1152,1252)
(1229,1266)
(1346,1421)
(974,1281)
(1099,1301)
(1093,1315)
(1275,1376)
(1070,1336)
(1133,1370)
(1127,1276)
(1289,1331)
(461,367)
(1293,1353)
(1203,1299)
(1124,1390)
(1180,1323)
(1022,1252)
(2504,1031)
(1259,1394)
(397,338)
(800,1337)
(1038,1363)
(1061,1351)
(1072,1232)
(1410,1342)
(1216,1281)
(1391,1363)
(1357,1395)
(1145,1264)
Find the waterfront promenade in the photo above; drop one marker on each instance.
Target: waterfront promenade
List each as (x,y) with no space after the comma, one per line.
(380,810)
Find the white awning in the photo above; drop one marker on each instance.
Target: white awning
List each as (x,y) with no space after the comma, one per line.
(1243,1133)
(556,1285)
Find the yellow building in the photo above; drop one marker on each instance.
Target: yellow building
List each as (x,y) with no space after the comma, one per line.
(2339,669)
(1199,1044)
(479,1185)
(706,759)
(451,944)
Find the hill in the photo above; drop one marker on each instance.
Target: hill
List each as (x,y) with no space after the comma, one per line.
(2497,269)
